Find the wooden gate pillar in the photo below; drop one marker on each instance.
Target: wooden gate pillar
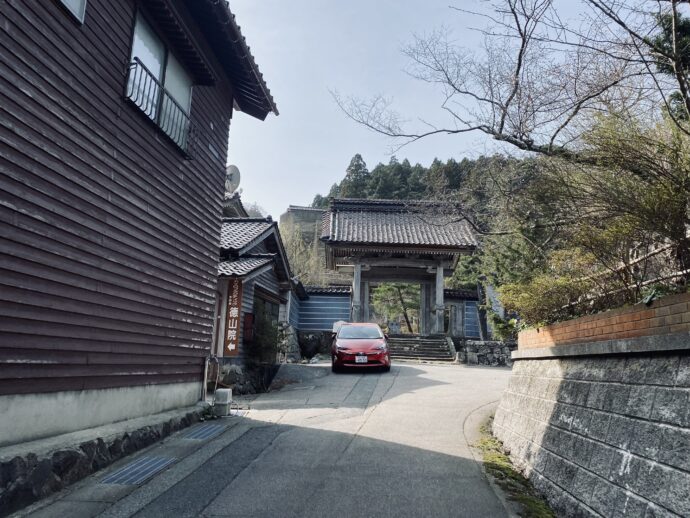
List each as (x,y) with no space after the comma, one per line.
(365,302)
(357,294)
(424,309)
(439,304)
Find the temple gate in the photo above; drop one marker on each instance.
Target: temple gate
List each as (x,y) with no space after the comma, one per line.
(397,241)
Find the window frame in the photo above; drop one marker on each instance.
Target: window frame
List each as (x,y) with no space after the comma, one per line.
(78,17)
(158,119)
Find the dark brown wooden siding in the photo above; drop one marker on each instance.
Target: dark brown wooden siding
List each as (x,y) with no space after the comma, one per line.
(108,236)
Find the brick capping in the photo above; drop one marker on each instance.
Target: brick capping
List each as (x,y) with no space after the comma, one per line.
(640,345)
(665,316)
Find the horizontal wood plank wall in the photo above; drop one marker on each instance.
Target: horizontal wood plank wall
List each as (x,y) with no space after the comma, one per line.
(108,236)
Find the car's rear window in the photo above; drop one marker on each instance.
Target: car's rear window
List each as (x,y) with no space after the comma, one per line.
(359,332)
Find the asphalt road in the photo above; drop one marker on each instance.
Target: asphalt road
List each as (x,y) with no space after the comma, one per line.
(324,445)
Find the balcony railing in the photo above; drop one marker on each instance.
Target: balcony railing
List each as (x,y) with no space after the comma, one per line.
(149,95)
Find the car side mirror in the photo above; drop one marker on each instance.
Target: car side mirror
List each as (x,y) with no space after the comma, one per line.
(385,335)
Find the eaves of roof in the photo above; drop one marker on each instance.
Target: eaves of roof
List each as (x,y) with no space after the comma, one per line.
(250,90)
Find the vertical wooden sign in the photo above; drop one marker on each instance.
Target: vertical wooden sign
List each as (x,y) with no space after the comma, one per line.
(234,311)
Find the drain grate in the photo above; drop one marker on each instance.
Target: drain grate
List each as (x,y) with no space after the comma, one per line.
(205,432)
(138,471)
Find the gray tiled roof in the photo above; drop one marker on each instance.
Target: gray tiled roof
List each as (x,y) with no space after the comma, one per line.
(293,208)
(461,294)
(243,266)
(390,222)
(235,234)
(328,290)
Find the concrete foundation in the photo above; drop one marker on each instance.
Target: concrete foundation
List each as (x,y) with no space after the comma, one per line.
(26,417)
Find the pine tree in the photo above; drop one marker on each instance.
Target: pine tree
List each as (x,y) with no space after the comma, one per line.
(356,181)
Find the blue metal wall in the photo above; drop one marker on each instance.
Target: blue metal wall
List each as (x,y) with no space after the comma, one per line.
(319,312)
(471,320)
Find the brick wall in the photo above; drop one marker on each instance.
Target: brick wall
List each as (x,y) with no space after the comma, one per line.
(664,316)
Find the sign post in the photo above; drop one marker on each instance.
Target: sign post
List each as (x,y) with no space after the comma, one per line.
(234,312)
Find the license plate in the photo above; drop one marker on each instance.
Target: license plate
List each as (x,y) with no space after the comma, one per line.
(360,359)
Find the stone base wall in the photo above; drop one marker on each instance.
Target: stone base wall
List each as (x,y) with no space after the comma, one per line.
(482,352)
(602,435)
(244,378)
(312,343)
(26,478)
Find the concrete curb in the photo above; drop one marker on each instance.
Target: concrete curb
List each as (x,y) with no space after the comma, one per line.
(471,433)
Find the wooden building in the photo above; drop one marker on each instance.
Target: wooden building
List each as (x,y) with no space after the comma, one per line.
(114,121)
(254,284)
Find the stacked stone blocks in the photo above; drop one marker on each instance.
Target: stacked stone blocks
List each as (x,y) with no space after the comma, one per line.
(602,436)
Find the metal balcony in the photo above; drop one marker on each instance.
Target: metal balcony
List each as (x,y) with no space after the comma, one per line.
(149,95)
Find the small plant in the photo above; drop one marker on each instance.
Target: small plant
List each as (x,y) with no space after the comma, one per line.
(498,465)
(505,329)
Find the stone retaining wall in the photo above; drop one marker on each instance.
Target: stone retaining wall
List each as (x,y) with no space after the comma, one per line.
(604,434)
(484,352)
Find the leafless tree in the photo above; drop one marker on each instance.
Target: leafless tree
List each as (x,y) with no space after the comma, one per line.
(538,81)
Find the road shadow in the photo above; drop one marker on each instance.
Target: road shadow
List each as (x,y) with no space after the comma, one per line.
(294,471)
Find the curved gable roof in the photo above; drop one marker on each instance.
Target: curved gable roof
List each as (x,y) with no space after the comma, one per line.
(399,223)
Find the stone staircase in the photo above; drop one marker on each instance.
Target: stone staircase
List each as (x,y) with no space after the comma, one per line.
(420,348)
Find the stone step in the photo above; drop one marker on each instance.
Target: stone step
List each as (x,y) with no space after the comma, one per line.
(418,346)
(421,355)
(443,347)
(423,358)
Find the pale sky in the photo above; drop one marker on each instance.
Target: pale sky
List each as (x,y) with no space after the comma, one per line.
(305,48)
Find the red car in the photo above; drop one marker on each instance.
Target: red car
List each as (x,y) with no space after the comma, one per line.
(360,345)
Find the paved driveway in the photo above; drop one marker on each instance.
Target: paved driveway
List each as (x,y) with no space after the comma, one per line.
(324,445)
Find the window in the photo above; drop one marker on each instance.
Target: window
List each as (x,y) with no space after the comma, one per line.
(360,332)
(76,7)
(158,84)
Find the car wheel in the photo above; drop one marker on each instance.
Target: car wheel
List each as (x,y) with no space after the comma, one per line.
(387,368)
(335,368)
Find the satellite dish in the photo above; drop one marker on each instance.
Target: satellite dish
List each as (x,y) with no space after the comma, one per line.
(232,178)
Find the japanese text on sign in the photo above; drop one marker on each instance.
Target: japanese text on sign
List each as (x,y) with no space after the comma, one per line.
(232,329)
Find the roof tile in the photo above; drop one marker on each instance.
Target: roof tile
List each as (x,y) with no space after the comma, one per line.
(397,223)
(242,267)
(235,234)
